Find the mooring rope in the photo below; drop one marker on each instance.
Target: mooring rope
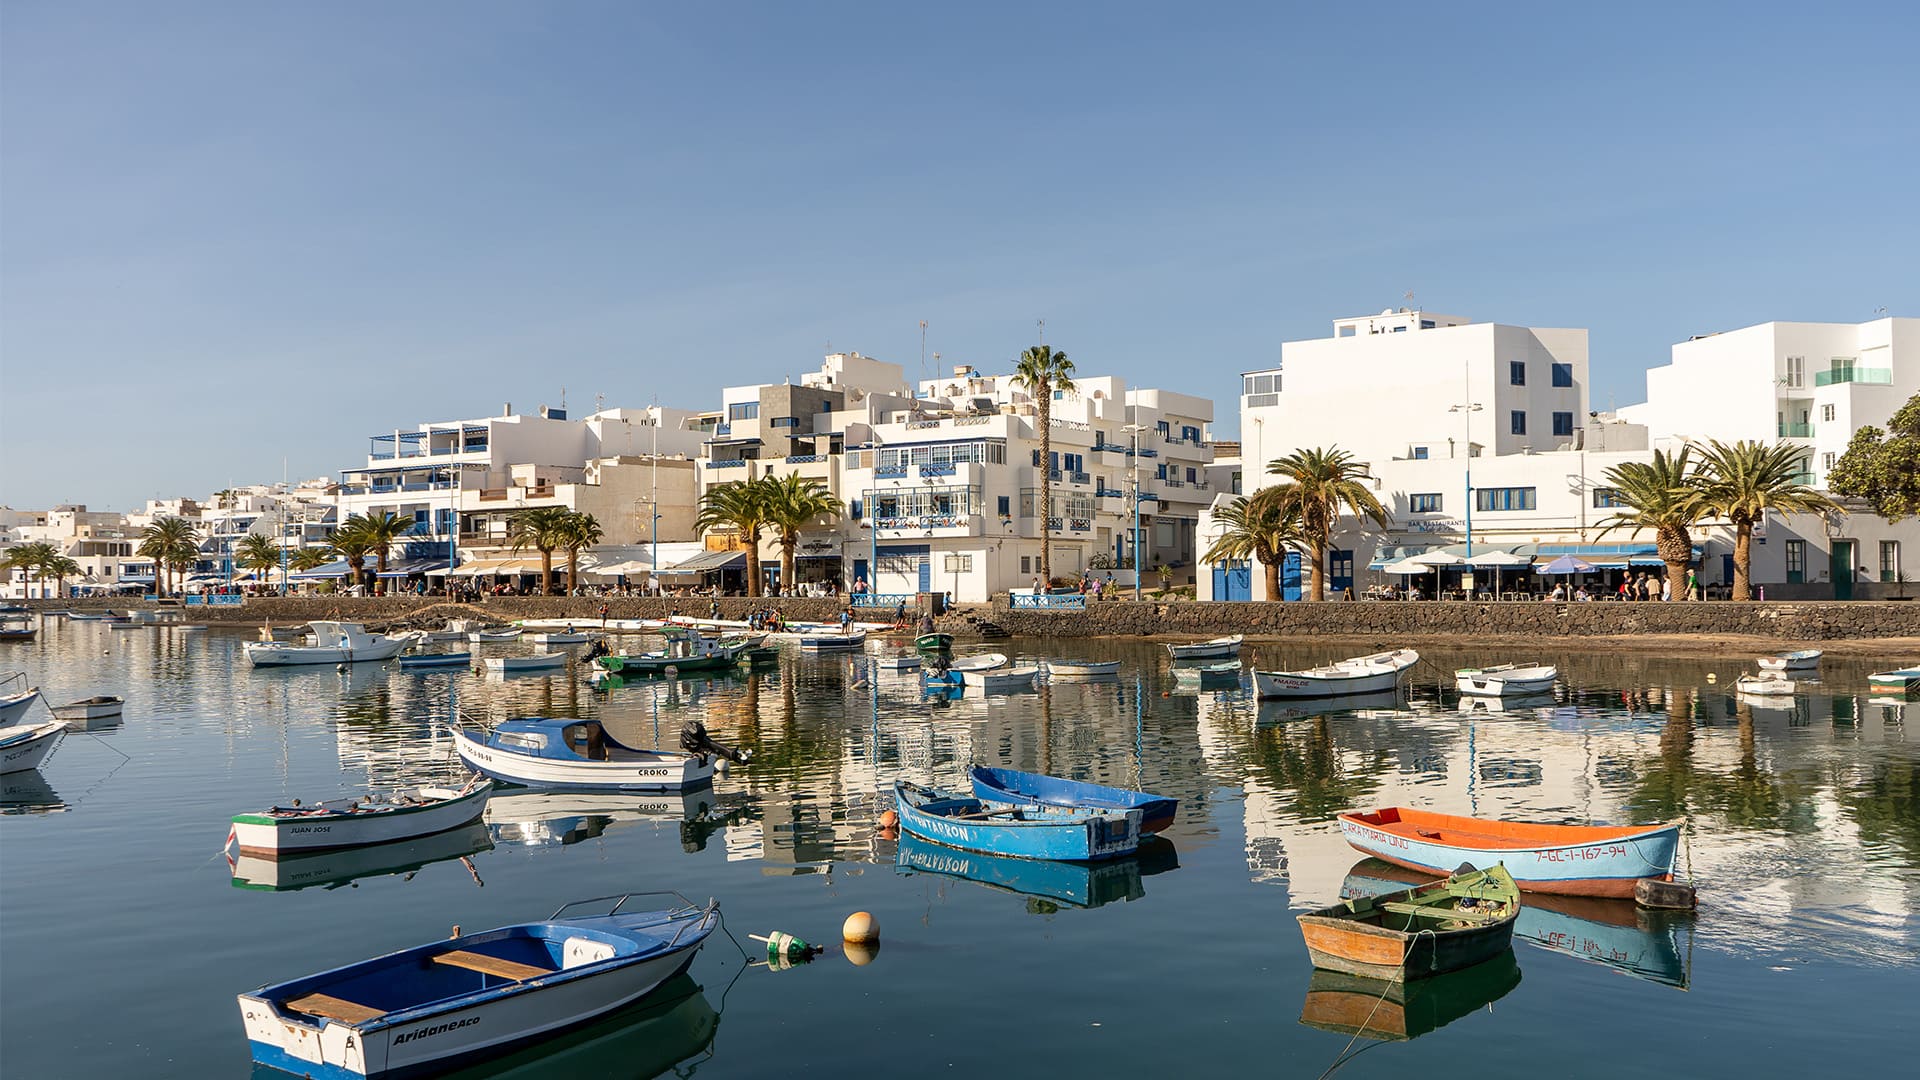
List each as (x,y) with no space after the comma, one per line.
(1341,1058)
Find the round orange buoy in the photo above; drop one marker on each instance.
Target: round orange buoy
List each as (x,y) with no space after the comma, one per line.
(889,820)
(861,928)
(860,954)
(1166,693)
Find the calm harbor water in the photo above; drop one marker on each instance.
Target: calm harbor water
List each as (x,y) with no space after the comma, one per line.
(124,934)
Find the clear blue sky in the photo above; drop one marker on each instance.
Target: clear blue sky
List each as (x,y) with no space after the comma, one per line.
(236,233)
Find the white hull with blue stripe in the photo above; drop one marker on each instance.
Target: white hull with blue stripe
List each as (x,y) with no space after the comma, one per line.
(23,748)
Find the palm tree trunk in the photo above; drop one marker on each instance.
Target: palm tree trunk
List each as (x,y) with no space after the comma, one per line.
(1676,580)
(1045,390)
(1271,571)
(1318,586)
(787,544)
(573,570)
(753,567)
(546,571)
(1742,559)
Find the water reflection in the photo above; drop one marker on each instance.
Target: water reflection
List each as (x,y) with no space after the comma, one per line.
(333,869)
(1399,1011)
(28,792)
(1046,885)
(666,1028)
(559,819)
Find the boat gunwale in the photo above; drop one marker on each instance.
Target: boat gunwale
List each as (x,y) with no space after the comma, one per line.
(1598,833)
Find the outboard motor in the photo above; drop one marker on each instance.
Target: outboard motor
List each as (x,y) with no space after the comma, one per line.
(695,740)
(598,649)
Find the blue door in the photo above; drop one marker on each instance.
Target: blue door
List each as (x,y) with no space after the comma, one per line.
(1726,569)
(1339,572)
(860,574)
(1290,577)
(1233,581)
(926,573)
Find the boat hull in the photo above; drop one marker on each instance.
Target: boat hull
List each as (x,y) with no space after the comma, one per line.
(1206,650)
(1395,945)
(274,654)
(267,836)
(1037,789)
(934,642)
(675,773)
(434,660)
(89,710)
(1087,670)
(1566,859)
(1360,675)
(1507,683)
(15,706)
(833,642)
(1063,835)
(1397,1011)
(509,664)
(29,747)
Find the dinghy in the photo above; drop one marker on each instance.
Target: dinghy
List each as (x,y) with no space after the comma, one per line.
(1506,679)
(934,642)
(379,818)
(1220,648)
(333,643)
(1905,679)
(474,997)
(897,663)
(343,866)
(686,652)
(1001,680)
(1431,929)
(563,637)
(1801,660)
(558,752)
(27,746)
(1359,675)
(482,637)
(1576,860)
(1766,684)
(1014,786)
(508,665)
(978,662)
(435,660)
(818,642)
(1082,669)
(1225,673)
(93,708)
(1025,832)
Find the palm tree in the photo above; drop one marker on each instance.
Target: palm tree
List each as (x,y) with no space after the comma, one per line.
(351,542)
(580,530)
(793,503)
(31,558)
(1041,372)
(383,530)
(1261,527)
(162,541)
(542,528)
(59,568)
(308,558)
(1741,482)
(1662,496)
(741,507)
(1320,481)
(257,551)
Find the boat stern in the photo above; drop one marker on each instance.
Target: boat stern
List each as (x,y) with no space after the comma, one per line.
(324,1050)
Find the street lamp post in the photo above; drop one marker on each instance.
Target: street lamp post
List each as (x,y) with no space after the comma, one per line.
(1133,472)
(1467,409)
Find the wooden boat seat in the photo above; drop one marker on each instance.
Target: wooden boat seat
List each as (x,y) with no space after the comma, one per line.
(1438,912)
(333,1008)
(491,965)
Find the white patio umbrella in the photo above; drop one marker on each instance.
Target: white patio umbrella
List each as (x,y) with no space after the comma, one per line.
(1498,559)
(1436,559)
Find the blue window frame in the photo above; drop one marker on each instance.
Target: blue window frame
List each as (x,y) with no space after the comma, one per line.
(1419,453)
(1606,499)
(1519,421)
(1006,506)
(1424,504)
(746,410)
(1517,372)
(1563,374)
(1504,499)
(784,421)
(1563,423)
(1075,463)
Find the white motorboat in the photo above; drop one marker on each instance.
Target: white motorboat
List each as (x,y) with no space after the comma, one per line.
(481,637)
(15,703)
(1359,675)
(1220,648)
(1002,679)
(562,637)
(333,643)
(545,661)
(978,662)
(1801,660)
(558,752)
(27,746)
(908,662)
(1506,679)
(1082,669)
(368,819)
(1768,684)
(93,708)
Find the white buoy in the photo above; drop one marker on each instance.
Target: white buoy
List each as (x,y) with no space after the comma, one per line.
(861,928)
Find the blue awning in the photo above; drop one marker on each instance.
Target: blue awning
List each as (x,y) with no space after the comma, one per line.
(335,569)
(1602,556)
(1390,553)
(410,567)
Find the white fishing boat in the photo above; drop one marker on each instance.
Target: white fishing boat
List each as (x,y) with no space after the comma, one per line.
(14,703)
(818,642)
(1359,675)
(471,999)
(92,708)
(1220,648)
(507,665)
(1766,684)
(369,819)
(1082,669)
(908,662)
(1506,679)
(1801,660)
(1906,679)
(1002,680)
(563,637)
(978,662)
(27,746)
(481,637)
(558,752)
(333,643)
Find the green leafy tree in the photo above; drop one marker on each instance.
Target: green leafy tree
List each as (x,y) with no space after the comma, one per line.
(259,553)
(1261,527)
(384,530)
(163,541)
(308,558)
(543,528)
(1041,372)
(579,530)
(59,568)
(351,542)
(1318,483)
(1741,482)
(741,507)
(1662,497)
(1883,467)
(792,503)
(32,559)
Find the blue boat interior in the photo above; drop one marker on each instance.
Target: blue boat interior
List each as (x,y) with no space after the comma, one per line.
(567,739)
(1012,785)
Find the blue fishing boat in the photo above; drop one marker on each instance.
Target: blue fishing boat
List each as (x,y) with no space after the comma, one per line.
(1014,786)
(433,1007)
(1056,884)
(1019,831)
(434,660)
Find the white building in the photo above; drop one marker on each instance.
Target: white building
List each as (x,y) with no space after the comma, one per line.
(1462,466)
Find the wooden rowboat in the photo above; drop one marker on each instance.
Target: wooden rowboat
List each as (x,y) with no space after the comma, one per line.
(92,708)
(437,659)
(1577,860)
(1082,669)
(1464,919)
(833,642)
(1358,675)
(470,999)
(1039,789)
(1220,648)
(1905,679)
(978,662)
(1022,832)
(1001,680)
(1505,679)
(1768,684)
(371,819)
(1800,660)
(505,665)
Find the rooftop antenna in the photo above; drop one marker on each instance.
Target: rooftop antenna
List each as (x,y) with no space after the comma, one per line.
(923,348)
(1409,296)
(1042,324)
(599,403)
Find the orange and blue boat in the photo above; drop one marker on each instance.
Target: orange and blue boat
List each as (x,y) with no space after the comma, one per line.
(1571,860)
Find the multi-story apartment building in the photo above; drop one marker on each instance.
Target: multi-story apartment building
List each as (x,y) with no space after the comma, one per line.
(1458,463)
(101,542)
